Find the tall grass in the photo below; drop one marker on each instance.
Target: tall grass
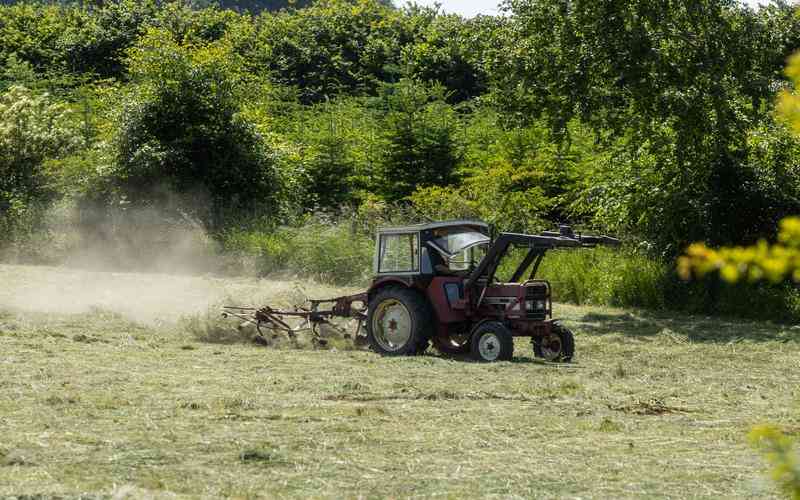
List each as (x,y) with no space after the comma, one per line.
(336,253)
(625,278)
(605,277)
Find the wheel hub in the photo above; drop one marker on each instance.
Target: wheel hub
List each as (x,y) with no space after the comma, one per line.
(391,325)
(489,346)
(551,347)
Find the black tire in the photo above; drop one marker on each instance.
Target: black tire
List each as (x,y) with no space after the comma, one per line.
(559,347)
(492,341)
(450,346)
(390,341)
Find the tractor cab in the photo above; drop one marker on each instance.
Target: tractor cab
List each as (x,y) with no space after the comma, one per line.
(451,248)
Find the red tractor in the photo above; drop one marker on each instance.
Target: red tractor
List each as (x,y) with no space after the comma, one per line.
(437,283)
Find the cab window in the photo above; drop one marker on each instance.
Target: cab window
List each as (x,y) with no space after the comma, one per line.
(399,253)
(467,259)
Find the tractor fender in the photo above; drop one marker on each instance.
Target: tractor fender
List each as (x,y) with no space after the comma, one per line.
(404,282)
(481,322)
(380,283)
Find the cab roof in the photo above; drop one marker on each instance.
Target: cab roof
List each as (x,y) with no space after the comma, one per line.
(430,226)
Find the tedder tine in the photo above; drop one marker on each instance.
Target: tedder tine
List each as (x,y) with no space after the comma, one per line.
(313,316)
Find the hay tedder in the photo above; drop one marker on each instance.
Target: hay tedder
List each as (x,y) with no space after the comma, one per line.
(438,283)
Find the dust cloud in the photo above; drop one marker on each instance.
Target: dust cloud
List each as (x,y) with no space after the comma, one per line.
(150,266)
(142,297)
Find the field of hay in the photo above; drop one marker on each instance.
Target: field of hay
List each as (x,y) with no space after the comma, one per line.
(124,385)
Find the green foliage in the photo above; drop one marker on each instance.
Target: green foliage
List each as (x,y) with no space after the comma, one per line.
(98,41)
(32,32)
(330,252)
(652,121)
(181,134)
(73,38)
(256,6)
(33,129)
(681,106)
(422,147)
(493,196)
(774,263)
(606,277)
(188,25)
(518,179)
(450,52)
(789,101)
(332,47)
(779,451)
(17,72)
(329,151)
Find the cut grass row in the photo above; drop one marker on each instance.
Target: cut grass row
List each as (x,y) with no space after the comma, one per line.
(655,406)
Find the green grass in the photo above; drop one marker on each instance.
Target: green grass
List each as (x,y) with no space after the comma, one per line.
(655,405)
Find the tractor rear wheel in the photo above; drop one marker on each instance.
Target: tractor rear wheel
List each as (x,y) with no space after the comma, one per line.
(399,322)
(558,346)
(492,341)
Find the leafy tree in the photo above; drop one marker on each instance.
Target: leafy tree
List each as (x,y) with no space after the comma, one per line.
(32,32)
(95,40)
(257,6)
(674,86)
(188,25)
(499,196)
(762,261)
(33,129)
(420,131)
(181,134)
(450,51)
(335,46)
(17,72)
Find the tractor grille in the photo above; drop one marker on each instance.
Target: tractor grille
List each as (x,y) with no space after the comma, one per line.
(536,293)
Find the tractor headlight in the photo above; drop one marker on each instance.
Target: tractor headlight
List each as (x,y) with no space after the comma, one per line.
(535,305)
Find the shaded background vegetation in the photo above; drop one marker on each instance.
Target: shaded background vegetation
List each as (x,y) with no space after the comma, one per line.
(289,131)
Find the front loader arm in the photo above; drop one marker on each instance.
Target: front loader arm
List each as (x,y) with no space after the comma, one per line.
(538,245)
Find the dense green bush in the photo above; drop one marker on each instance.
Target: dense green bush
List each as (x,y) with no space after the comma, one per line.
(450,52)
(33,129)
(329,151)
(182,134)
(330,252)
(421,140)
(334,47)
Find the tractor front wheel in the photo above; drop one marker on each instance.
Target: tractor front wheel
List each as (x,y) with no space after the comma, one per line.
(558,346)
(492,341)
(399,322)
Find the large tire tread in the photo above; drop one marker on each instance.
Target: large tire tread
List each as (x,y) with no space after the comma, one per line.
(421,318)
(567,344)
(501,332)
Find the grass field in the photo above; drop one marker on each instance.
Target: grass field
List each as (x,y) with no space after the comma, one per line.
(124,400)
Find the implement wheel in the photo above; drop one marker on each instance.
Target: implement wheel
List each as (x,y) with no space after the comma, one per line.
(492,341)
(399,322)
(558,346)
